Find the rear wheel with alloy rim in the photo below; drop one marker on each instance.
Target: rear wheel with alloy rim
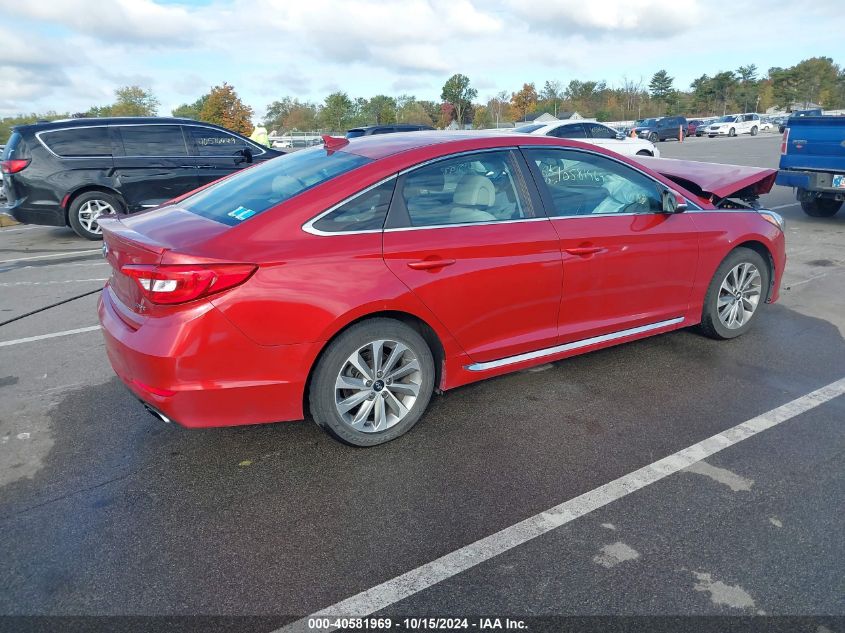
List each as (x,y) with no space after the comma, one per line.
(735,293)
(754,131)
(87,208)
(821,207)
(373,382)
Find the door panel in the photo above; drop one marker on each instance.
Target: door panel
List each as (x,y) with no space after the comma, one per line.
(155,165)
(624,263)
(464,236)
(216,153)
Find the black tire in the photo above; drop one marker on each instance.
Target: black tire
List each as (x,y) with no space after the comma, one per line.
(732,132)
(79,224)
(644,152)
(322,394)
(711,325)
(754,131)
(653,137)
(821,207)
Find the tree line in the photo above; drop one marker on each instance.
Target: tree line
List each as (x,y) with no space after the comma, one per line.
(817,80)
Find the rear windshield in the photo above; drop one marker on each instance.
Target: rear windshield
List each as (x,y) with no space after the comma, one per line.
(16,148)
(255,190)
(527,129)
(355,133)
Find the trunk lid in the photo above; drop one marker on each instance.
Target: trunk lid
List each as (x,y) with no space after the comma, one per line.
(163,235)
(713,181)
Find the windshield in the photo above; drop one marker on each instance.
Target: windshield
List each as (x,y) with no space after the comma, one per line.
(726,119)
(527,129)
(645,122)
(255,190)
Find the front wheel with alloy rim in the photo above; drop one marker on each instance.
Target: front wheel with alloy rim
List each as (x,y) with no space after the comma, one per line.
(736,291)
(732,132)
(87,208)
(373,382)
(653,137)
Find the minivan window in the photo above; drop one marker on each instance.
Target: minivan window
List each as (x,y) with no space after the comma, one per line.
(212,142)
(253,191)
(153,140)
(78,142)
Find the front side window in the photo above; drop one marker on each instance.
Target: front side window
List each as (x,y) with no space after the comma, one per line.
(79,142)
(482,187)
(254,190)
(365,212)
(575,130)
(600,131)
(580,183)
(212,142)
(153,140)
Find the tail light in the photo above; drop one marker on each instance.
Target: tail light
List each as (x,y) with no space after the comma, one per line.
(14,166)
(785,141)
(179,284)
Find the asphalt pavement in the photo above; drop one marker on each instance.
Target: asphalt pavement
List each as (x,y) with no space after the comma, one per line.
(105,511)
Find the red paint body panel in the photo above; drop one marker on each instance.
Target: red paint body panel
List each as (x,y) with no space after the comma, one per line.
(501,295)
(244,355)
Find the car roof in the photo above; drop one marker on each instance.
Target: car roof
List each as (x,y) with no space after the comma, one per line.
(97,121)
(383,145)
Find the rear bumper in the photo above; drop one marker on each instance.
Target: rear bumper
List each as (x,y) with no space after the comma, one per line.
(198,370)
(45,215)
(814,181)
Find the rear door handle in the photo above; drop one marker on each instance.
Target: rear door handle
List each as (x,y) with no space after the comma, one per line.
(583,251)
(430,264)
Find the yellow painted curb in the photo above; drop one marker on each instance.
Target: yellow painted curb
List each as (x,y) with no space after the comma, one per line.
(7,220)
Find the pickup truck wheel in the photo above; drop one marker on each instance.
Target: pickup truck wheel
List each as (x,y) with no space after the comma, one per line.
(732,132)
(735,293)
(821,207)
(754,131)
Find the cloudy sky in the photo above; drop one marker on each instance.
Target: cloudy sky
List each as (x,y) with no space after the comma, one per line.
(68,55)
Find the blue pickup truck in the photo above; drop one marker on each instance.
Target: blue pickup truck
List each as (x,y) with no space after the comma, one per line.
(812,160)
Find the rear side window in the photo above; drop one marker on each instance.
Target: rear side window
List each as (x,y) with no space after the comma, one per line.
(365,212)
(78,142)
(212,142)
(153,140)
(253,191)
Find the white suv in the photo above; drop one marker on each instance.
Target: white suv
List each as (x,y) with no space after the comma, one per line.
(733,124)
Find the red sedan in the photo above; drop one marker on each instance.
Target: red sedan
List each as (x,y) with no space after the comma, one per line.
(354,280)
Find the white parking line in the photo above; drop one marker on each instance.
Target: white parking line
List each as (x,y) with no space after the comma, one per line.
(48,283)
(784,206)
(412,582)
(41,337)
(63,254)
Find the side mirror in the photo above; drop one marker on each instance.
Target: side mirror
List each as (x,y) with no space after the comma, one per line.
(672,201)
(243,156)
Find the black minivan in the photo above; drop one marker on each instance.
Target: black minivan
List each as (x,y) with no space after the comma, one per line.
(70,172)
